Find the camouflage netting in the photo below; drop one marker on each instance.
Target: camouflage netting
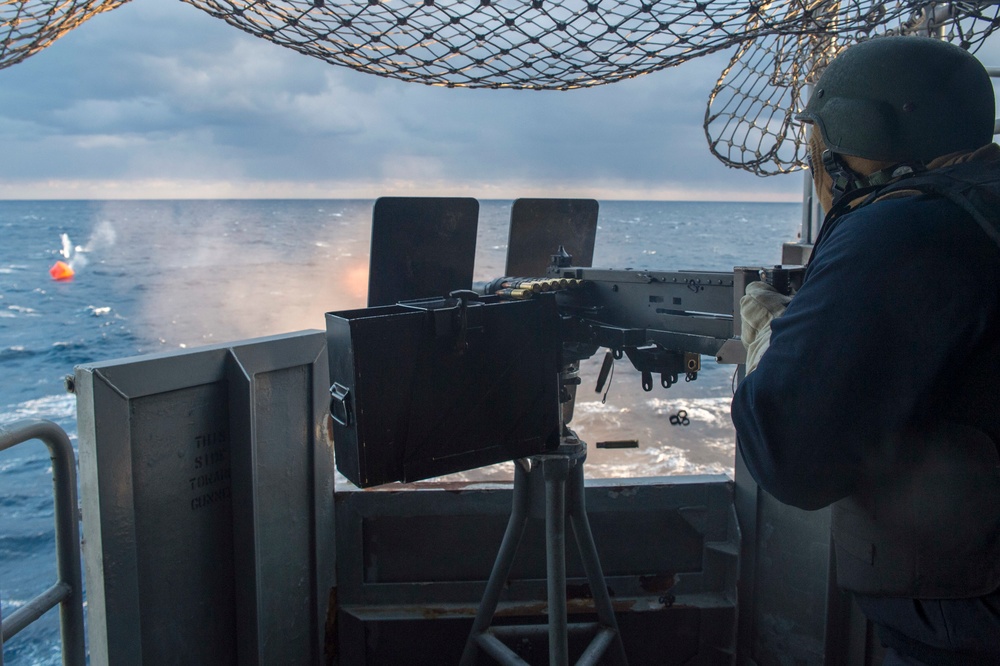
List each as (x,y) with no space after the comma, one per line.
(748,121)
(561,45)
(28,26)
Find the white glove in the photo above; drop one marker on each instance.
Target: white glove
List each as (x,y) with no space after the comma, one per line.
(761,304)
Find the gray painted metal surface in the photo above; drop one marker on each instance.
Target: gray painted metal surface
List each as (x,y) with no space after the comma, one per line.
(206,477)
(243,568)
(283,486)
(413,564)
(538,227)
(422,247)
(67,592)
(562,472)
(791,610)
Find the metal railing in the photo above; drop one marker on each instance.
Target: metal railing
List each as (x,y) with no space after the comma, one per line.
(67,592)
(994,73)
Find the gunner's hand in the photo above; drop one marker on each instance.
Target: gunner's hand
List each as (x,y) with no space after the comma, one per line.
(761,304)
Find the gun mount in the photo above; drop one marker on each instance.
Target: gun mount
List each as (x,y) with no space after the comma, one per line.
(433,386)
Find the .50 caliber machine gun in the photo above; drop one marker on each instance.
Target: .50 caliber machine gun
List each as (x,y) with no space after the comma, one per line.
(663,321)
(436,378)
(425,386)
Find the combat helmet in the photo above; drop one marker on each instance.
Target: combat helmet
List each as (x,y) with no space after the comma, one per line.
(902,99)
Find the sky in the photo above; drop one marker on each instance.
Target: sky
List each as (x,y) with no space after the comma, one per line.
(158,99)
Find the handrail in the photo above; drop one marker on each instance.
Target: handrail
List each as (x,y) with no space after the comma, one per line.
(994,73)
(68,589)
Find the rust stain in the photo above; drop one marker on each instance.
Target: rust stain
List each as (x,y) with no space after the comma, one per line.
(575,606)
(446,486)
(533,608)
(658,583)
(328,428)
(330,630)
(431,613)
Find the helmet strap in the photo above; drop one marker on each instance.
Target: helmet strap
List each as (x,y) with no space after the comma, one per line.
(845,180)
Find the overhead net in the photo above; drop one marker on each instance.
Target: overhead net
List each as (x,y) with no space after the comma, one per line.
(748,120)
(780,45)
(536,44)
(28,26)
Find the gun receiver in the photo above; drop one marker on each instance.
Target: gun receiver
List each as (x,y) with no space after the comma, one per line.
(663,321)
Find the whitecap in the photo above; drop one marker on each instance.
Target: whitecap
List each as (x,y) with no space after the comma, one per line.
(53,407)
(596,407)
(98,311)
(713,411)
(22,309)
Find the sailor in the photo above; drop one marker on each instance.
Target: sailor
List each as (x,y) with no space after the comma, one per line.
(876,388)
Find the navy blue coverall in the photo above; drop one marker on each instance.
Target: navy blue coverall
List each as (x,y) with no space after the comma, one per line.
(897,324)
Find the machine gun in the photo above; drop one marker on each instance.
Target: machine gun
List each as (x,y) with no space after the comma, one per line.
(429,386)
(423,387)
(663,321)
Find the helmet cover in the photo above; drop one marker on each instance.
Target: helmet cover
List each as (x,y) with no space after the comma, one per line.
(902,99)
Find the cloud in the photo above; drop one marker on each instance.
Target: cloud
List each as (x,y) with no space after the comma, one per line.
(160,95)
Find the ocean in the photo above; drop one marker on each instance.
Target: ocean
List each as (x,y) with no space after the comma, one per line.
(154,276)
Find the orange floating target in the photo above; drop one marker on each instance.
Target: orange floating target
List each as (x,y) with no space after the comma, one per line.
(61,271)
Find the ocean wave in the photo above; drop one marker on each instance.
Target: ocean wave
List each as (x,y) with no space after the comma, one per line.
(17,352)
(111,272)
(14,499)
(29,463)
(675,461)
(70,353)
(595,407)
(38,647)
(18,545)
(659,460)
(58,408)
(710,411)
(706,446)
(21,309)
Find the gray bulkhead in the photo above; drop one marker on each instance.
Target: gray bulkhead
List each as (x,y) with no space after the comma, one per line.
(213,534)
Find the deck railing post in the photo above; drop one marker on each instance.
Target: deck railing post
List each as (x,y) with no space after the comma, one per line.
(68,589)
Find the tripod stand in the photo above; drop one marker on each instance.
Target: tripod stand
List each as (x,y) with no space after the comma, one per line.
(562,471)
